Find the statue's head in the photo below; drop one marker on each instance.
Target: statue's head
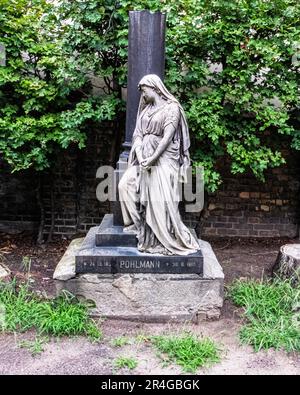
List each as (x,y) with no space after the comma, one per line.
(151,80)
(150,85)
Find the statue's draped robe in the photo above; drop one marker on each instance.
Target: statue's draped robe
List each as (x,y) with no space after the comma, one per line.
(149,198)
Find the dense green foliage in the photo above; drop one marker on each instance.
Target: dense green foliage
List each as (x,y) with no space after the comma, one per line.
(21,310)
(234,113)
(44,103)
(233,65)
(272,312)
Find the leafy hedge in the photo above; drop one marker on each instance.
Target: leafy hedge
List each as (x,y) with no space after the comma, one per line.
(234,65)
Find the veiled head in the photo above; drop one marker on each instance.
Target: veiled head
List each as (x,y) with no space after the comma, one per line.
(154,82)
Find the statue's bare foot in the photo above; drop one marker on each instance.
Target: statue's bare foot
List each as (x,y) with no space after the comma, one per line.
(130,229)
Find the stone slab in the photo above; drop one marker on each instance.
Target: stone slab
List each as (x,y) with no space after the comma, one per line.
(120,259)
(65,269)
(149,297)
(109,234)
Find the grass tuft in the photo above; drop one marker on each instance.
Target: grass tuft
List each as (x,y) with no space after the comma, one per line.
(35,346)
(272,310)
(120,341)
(188,351)
(125,362)
(23,310)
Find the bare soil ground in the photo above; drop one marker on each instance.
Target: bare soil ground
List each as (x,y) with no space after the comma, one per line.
(239,258)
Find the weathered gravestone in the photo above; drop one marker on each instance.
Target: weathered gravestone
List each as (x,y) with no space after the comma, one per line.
(173,275)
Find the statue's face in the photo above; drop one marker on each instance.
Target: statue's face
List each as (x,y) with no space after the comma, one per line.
(148,93)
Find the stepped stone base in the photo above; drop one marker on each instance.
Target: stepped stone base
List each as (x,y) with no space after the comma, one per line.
(113,258)
(148,297)
(108,234)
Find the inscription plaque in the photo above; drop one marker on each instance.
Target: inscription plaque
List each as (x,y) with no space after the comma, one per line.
(140,264)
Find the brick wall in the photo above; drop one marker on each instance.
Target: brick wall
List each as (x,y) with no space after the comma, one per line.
(18,204)
(242,207)
(74,185)
(246,207)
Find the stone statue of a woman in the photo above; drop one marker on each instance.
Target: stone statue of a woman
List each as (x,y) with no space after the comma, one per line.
(159,157)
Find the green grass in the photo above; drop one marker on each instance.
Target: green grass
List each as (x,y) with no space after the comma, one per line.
(125,362)
(187,351)
(64,315)
(272,311)
(120,341)
(35,346)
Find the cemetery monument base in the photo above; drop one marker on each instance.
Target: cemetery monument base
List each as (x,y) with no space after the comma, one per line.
(146,297)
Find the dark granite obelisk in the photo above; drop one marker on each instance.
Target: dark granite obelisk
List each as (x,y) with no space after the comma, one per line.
(146,55)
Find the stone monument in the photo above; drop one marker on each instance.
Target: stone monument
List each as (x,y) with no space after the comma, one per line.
(143,262)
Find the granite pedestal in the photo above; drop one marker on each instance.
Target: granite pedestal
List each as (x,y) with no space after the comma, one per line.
(148,297)
(108,249)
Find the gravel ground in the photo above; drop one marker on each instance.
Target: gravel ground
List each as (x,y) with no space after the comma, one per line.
(69,356)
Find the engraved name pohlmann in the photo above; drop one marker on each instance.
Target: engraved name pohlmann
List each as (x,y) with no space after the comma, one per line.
(146,264)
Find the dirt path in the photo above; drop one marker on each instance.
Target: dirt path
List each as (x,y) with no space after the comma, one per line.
(79,356)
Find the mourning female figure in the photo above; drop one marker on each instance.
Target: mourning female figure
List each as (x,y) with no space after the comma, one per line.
(159,158)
